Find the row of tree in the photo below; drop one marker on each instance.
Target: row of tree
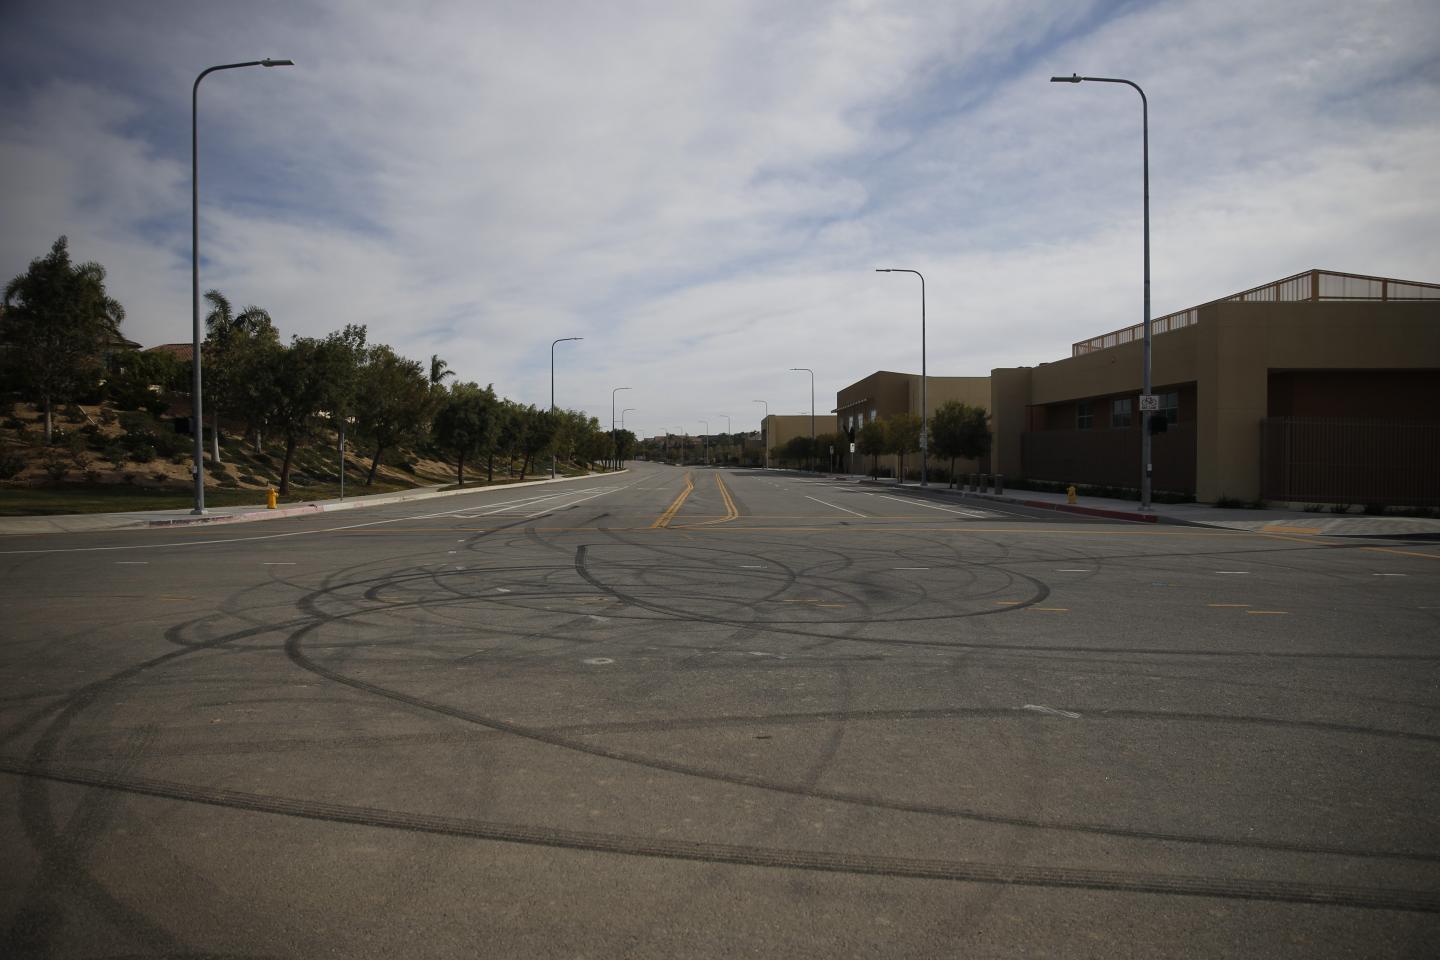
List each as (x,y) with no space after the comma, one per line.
(958,431)
(59,329)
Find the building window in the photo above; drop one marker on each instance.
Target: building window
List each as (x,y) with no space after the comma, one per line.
(872,415)
(1084,416)
(1120,412)
(1170,406)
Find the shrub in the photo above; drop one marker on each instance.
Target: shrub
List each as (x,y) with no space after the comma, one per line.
(55,468)
(10,465)
(143,454)
(107,416)
(1374,509)
(1314,507)
(92,476)
(14,423)
(73,413)
(115,452)
(1339,508)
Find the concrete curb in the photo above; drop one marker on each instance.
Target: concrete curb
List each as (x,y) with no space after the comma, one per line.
(136,520)
(330,506)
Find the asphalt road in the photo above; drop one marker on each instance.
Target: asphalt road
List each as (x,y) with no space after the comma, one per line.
(689,712)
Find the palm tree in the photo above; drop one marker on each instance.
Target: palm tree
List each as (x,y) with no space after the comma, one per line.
(223,329)
(439,370)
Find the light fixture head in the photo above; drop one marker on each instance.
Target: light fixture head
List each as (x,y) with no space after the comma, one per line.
(268,62)
(1073,78)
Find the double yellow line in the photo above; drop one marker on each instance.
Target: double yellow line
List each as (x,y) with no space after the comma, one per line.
(663,521)
(731,511)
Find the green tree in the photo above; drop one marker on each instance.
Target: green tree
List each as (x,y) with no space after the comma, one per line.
(536,436)
(902,437)
(228,336)
(870,441)
(344,355)
(297,388)
(395,403)
(960,432)
(465,423)
(56,321)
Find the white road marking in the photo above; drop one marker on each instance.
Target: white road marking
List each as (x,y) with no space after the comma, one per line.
(1073,570)
(501,590)
(931,506)
(598,661)
(1051,710)
(909,568)
(459,514)
(835,506)
(279,563)
(1389,574)
(752,566)
(135,563)
(1233,571)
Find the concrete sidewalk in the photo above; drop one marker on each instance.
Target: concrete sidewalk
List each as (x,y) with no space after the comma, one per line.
(1269,520)
(83,522)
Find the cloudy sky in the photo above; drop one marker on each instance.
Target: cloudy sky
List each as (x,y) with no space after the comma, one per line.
(703,190)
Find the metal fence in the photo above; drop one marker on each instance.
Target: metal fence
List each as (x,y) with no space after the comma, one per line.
(1110,457)
(1333,460)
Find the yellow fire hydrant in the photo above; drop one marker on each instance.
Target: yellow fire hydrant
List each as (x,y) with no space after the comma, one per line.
(272,497)
(1070,494)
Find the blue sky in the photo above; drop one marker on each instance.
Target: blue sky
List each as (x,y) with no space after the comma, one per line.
(703,190)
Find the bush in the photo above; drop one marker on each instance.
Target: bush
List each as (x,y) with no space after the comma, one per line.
(55,467)
(10,465)
(92,476)
(1339,508)
(107,416)
(14,423)
(1374,509)
(1314,507)
(115,452)
(73,413)
(142,454)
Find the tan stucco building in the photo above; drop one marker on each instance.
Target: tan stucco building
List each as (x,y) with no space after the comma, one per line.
(886,392)
(1321,387)
(777,429)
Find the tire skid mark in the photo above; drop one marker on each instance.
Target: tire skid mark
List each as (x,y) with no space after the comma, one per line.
(1275,891)
(294,649)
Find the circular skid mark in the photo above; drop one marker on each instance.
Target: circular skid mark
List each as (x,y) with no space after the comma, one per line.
(1277,891)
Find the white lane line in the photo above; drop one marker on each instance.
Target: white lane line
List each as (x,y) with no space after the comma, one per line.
(500,508)
(836,506)
(752,566)
(1051,710)
(1074,570)
(1233,571)
(931,506)
(909,568)
(131,563)
(279,563)
(1389,574)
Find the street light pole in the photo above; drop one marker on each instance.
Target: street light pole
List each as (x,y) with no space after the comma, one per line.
(763,441)
(707,441)
(1145,153)
(552,396)
(812,410)
(197,418)
(924,405)
(729,430)
(614,440)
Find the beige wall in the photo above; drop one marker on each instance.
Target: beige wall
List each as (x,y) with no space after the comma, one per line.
(1228,355)
(778,429)
(886,392)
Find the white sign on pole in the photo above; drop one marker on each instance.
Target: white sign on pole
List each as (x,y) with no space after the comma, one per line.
(1149,402)
(852,448)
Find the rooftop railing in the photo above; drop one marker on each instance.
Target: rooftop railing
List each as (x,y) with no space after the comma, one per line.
(1311,285)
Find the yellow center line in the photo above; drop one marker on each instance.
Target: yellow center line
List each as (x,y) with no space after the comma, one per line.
(731,513)
(663,521)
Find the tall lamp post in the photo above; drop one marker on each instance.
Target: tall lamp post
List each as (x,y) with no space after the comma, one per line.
(728,428)
(614,441)
(707,441)
(1145,391)
(197,419)
(763,442)
(552,394)
(924,405)
(812,408)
